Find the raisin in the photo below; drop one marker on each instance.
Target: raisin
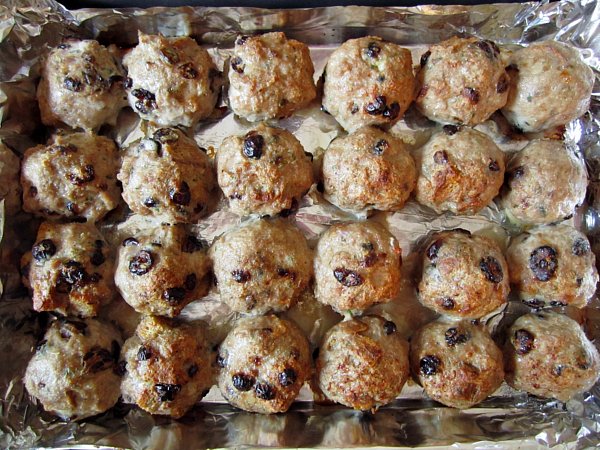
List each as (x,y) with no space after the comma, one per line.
(424,58)
(524,340)
(146,100)
(241,276)
(450,129)
(389,327)
(373,50)
(192,370)
(174,295)
(73,84)
(348,278)
(241,40)
(167,392)
(127,83)
(43,250)
(471,94)
(120,369)
(502,85)
(182,195)
(429,365)
(165,135)
(282,272)
(489,47)
(287,377)
(253,145)
(242,382)
(190,282)
(535,303)
(579,281)
(150,202)
(558,370)
(191,244)
(453,337)
(141,263)
(73,272)
(130,241)
(265,391)
(440,157)
(494,166)
(144,353)
(88,175)
(377,107)
(392,111)
(221,361)
(97,360)
(72,207)
(97,257)
(543,262)
(492,269)
(33,191)
(433,249)
(447,303)
(237,64)
(557,303)
(188,71)
(581,246)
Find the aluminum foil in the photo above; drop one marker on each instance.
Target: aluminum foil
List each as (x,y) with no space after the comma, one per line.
(28,28)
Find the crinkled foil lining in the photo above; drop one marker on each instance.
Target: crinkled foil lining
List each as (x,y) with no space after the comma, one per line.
(28,28)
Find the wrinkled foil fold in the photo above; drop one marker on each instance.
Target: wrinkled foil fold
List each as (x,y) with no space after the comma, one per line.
(29,28)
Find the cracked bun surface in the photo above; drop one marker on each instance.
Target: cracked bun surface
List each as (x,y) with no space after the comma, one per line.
(262,266)
(368,81)
(264,363)
(552,266)
(167,366)
(357,265)
(546,183)
(363,363)
(162,270)
(73,177)
(81,86)
(462,81)
(550,85)
(69,269)
(460,170)
(264,172)
(464,276)
(168,176)
(548,355)
(457,363)
(171,81)
(368,169)
(270,77)
(74,370)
